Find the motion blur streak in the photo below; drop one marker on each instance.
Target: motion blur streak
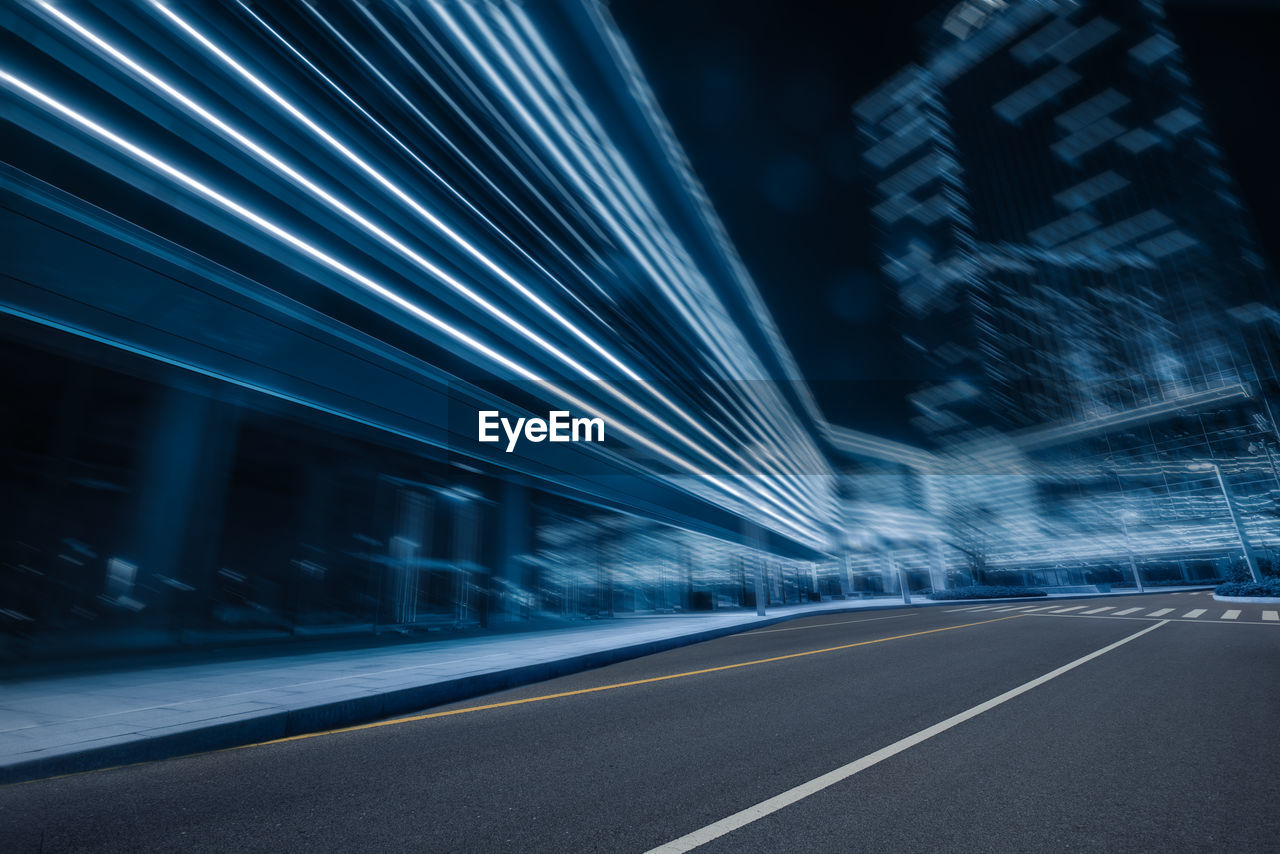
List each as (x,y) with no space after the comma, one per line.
(268,262)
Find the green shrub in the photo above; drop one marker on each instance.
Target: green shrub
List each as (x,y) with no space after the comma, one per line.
(1268,587)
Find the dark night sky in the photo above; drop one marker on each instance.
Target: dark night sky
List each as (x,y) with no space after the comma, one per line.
(759,94)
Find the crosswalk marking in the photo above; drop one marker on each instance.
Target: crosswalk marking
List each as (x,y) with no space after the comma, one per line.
(1239,615)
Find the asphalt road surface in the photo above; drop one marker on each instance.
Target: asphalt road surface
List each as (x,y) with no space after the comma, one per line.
(1121,724)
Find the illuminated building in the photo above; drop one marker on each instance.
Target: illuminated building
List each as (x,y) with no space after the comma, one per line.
(268,265)
(1069,251)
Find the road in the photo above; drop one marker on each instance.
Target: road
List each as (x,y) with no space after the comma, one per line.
(1123,724)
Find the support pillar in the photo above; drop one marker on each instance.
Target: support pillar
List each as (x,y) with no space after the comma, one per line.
(183,477)
(893,572)
(514,545)
(407,547)
(1235,522)
(466,553)
(1128,547)
(937,567)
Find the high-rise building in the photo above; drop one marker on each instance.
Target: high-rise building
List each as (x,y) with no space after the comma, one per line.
(1058,223)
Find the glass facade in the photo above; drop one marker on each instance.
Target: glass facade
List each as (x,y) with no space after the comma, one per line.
(269,265)
(146,508)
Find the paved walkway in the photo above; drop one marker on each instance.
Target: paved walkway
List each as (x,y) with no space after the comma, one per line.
(61,724)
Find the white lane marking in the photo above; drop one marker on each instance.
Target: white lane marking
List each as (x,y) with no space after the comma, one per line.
(1072,608)
(1193,614)
(970,608)
(1273,616)
(1041,608)
(1230,615)
(1125,611)
(1100,610)
(754,813)
(1160,613)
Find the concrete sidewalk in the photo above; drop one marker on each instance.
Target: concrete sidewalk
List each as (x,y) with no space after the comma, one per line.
(63,724)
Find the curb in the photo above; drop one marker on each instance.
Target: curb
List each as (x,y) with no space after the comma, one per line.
(357,710)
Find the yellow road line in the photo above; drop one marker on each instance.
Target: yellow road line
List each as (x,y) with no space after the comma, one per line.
(519,702)
(538,699)
(822,625)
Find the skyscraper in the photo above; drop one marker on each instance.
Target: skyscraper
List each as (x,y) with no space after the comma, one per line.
(1056,218)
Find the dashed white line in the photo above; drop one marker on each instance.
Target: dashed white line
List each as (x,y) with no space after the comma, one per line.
(1193,614)
(1160,613)
(1100,610)
(1125,611)
(1272,616)
(1230,615)
(1072,608)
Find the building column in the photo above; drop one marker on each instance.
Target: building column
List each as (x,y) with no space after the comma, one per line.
(894,571)
(466,559)
(515,538)
(407,548)
(185,467)
(1245,545)
(937,567)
